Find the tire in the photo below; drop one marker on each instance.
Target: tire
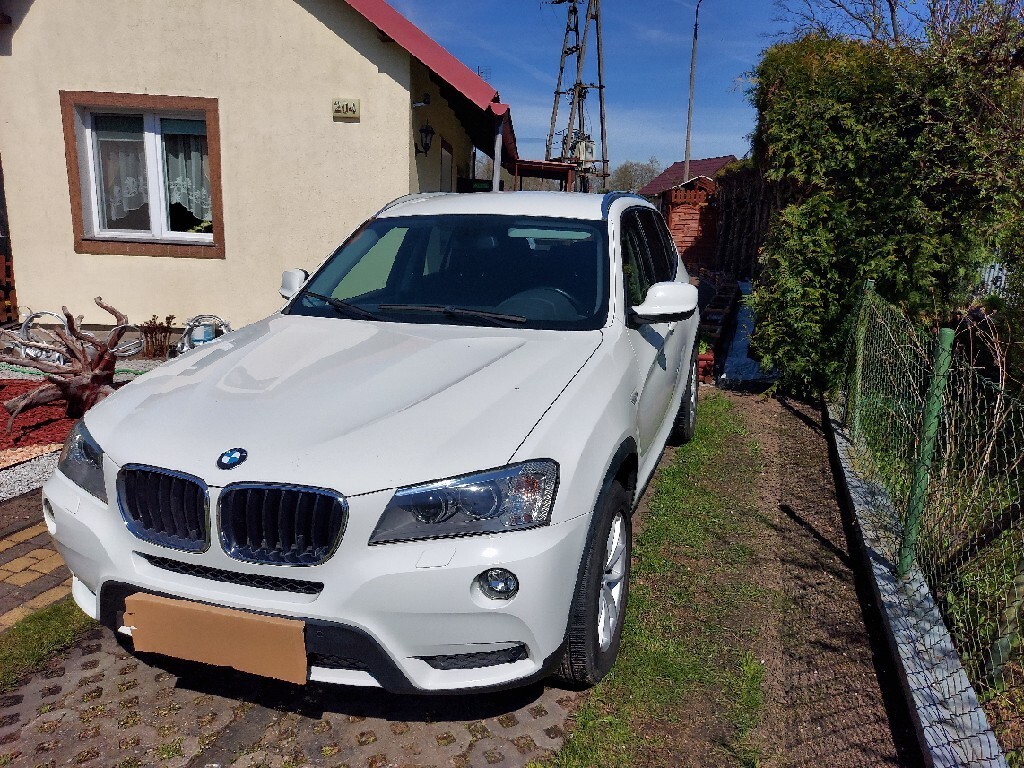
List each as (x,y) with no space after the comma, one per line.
(686,416)
(602,593)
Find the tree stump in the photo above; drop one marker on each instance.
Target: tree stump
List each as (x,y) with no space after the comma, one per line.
(86,379)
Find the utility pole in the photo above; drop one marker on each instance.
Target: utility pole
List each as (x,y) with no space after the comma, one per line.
(693,80)
(577,145)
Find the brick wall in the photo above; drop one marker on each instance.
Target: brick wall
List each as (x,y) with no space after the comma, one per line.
(693,222)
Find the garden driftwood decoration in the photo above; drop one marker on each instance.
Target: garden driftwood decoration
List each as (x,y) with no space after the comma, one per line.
(86,378)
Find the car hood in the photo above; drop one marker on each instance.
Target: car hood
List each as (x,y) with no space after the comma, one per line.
(350,405)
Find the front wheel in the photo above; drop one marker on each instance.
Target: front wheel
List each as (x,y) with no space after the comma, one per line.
(599,605)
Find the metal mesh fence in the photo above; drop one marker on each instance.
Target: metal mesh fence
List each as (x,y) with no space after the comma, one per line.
(931,425)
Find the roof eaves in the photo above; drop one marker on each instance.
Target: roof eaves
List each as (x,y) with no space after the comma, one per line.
(428,51)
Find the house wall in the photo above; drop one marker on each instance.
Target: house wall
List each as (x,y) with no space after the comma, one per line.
(426,175)
(295,182)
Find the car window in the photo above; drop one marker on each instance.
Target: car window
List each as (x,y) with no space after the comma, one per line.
(372,271)
(663,257)
(636,270)
(533,272)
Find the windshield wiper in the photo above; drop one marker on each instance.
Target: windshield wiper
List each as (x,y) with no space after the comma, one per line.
(496,318)
(343,307)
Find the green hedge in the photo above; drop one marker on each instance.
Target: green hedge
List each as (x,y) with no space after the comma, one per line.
(901,165)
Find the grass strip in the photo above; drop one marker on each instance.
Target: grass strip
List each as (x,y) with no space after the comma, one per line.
(686,646)
(28,644)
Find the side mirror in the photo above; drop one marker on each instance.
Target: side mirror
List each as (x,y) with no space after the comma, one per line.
(291,281)
(666,302)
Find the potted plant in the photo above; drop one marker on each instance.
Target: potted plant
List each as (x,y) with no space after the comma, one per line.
(705,362)
(157,336)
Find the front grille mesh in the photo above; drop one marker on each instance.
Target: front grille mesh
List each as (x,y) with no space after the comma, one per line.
(164,507)
(255,580)
(281,524)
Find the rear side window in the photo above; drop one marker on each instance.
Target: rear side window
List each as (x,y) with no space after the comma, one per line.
(663,257)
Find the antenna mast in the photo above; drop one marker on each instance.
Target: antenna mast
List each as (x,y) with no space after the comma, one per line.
(577,145)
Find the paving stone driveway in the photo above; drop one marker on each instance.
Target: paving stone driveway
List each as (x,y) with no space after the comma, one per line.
(99,706)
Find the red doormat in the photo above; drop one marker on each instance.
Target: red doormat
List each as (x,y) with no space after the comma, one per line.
(42,425)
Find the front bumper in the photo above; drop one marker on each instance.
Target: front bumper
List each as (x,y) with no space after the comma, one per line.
(389,612)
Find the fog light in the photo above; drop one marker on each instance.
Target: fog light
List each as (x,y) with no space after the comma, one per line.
(498,584)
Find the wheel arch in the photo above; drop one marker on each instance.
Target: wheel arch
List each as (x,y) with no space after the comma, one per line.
(624,468)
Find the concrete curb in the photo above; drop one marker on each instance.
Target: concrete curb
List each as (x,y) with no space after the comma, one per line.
(951,725)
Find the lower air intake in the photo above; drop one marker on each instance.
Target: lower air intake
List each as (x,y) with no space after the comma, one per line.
(477,660)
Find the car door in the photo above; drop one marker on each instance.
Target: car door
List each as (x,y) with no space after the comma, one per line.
(667,266)
(654,348)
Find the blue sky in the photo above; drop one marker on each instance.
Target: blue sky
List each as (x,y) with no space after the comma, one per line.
(647,59)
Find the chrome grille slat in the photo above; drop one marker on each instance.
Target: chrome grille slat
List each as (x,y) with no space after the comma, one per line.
(281,524)
(164,507)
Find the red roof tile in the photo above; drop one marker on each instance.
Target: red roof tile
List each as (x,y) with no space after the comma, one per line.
(673,175)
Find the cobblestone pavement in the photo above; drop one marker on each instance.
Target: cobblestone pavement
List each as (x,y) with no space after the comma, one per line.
(100,706)
(32,574)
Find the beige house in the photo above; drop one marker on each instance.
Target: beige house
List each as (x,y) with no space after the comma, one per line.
(176,156)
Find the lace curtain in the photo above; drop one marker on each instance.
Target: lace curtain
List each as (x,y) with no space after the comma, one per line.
(188,171)
(125,187)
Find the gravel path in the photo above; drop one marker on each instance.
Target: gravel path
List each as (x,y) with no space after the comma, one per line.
(27,476)
(126,370)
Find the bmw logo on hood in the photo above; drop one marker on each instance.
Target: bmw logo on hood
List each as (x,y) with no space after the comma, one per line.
(231,458)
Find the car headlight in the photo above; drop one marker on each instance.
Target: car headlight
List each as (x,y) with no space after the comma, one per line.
(81,461)
(512,498)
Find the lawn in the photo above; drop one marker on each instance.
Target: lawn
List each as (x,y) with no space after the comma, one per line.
(688,682)
(32,641)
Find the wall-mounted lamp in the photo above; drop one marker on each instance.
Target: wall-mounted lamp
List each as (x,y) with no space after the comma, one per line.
(426,139)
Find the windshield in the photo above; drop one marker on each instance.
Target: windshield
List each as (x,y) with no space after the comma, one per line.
(523,272)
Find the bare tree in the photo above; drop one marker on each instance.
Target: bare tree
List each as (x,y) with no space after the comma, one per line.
(633,175)
(947,18)
(898,22)
(875,20)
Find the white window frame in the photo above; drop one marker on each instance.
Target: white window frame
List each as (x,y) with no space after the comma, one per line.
(156,172)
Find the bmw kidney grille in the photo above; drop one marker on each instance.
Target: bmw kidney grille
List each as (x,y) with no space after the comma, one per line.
(164,507)
(281,524)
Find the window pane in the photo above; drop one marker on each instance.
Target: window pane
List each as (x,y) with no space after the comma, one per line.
(660,257)
(121,172)
(368,268)
(634,262)
(187,175)
(550,272)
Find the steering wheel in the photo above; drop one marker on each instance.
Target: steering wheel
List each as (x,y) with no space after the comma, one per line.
(565,295)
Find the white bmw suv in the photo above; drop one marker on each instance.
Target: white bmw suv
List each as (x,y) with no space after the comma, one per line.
(419,473)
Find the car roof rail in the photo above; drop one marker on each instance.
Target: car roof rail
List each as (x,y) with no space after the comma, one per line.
(611,197)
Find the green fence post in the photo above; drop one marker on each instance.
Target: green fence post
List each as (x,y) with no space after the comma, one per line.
(853,398)
(929,433)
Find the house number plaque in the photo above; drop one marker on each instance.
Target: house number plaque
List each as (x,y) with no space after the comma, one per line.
(345,109)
